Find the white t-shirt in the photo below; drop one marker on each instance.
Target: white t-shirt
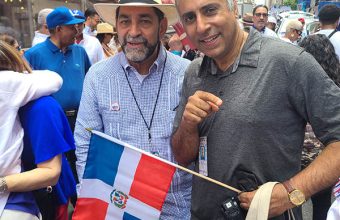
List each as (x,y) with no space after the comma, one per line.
(93,48)
(38,38)
(335,39)
(270,33)
(17,89)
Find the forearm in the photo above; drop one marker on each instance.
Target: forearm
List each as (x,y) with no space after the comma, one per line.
(185,143)
(40,177)
(321,173)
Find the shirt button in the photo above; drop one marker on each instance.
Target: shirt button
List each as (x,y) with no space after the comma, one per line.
(221,93)
(64,61)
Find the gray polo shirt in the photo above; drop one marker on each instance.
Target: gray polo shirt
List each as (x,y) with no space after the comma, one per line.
(268,96)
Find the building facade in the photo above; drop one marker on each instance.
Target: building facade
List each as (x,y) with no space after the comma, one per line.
(18,17)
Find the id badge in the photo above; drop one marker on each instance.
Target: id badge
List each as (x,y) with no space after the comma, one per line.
(203,156)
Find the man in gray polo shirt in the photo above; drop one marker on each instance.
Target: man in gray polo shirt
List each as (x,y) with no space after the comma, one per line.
(243,111)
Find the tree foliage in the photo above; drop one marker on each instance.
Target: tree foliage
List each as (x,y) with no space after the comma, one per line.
(291,3)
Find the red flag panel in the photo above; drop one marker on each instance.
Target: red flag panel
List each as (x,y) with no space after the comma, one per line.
(83,212)
(152,181)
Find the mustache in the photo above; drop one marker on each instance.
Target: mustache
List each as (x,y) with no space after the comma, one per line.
(139,39)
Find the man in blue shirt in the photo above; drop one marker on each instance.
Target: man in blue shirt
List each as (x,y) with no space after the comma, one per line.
(133,95)
(60,54)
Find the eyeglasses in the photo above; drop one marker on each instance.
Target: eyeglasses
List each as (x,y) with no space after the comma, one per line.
(18,48)
(261,14)
(299,32)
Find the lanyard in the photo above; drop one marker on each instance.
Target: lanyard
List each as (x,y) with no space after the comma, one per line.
(154,108)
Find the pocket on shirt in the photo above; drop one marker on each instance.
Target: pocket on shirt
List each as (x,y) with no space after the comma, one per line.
(163,126)
(111,121)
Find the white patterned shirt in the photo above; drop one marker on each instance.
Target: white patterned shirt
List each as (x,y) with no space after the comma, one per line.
(107,105)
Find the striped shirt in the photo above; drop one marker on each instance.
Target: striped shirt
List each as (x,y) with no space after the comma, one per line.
(108,105)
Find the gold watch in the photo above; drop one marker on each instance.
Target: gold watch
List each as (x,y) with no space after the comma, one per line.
(296,197)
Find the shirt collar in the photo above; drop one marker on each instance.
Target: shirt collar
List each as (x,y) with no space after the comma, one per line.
(53,47)
(40,35)
(155,67)
(249,56)
(262,30)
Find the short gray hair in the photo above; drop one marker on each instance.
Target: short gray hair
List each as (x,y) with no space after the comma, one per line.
(230,4)
(42,16)
(294,25)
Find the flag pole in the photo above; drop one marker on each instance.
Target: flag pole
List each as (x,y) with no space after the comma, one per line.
(206,178)
(163,160)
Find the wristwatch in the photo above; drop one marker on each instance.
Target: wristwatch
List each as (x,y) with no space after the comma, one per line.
(296,197)
(3,185)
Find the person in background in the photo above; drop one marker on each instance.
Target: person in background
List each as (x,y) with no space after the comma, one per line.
(105,34)
(175,45)
(329,20)
(42,32)
(260,18)
(44,140)
(303,22)
(293,32)
(334,211)
(323,51)
(243,112)
(91,44)
(271,23)
(17,89)
(11,41)
(133,95)
(59,53)
(304,33)
(92,19)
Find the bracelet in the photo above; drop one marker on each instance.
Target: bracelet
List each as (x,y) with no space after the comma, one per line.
(3,185)
(176,52)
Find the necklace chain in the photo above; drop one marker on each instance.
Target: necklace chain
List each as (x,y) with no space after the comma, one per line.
(154,108)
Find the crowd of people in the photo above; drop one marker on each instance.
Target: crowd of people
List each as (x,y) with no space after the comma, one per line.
(227,98)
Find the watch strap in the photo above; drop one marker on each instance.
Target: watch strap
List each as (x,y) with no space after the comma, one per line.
(288,186)
(3,185)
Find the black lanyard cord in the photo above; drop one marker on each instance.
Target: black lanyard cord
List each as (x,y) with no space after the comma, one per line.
(154,108)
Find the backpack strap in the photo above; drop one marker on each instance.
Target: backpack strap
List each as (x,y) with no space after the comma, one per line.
(331,34)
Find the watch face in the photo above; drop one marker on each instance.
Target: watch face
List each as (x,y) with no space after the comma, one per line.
(297,197)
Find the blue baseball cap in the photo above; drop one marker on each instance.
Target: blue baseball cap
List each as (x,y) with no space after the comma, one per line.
(62,16)
(78,14)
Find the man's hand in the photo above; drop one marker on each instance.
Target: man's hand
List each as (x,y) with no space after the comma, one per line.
(199,106)
(279,201)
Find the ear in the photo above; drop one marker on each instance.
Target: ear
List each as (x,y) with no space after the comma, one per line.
(163,26)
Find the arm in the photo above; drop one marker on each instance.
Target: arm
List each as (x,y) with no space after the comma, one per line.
(32,86)
(46,174)
(320,174)
(315,97)
(185,140)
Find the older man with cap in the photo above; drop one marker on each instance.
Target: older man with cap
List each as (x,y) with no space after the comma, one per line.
(60,54)
(133,95)
(42,33)
(90,43)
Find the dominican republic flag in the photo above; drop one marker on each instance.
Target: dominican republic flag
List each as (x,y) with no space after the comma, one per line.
(121,182)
